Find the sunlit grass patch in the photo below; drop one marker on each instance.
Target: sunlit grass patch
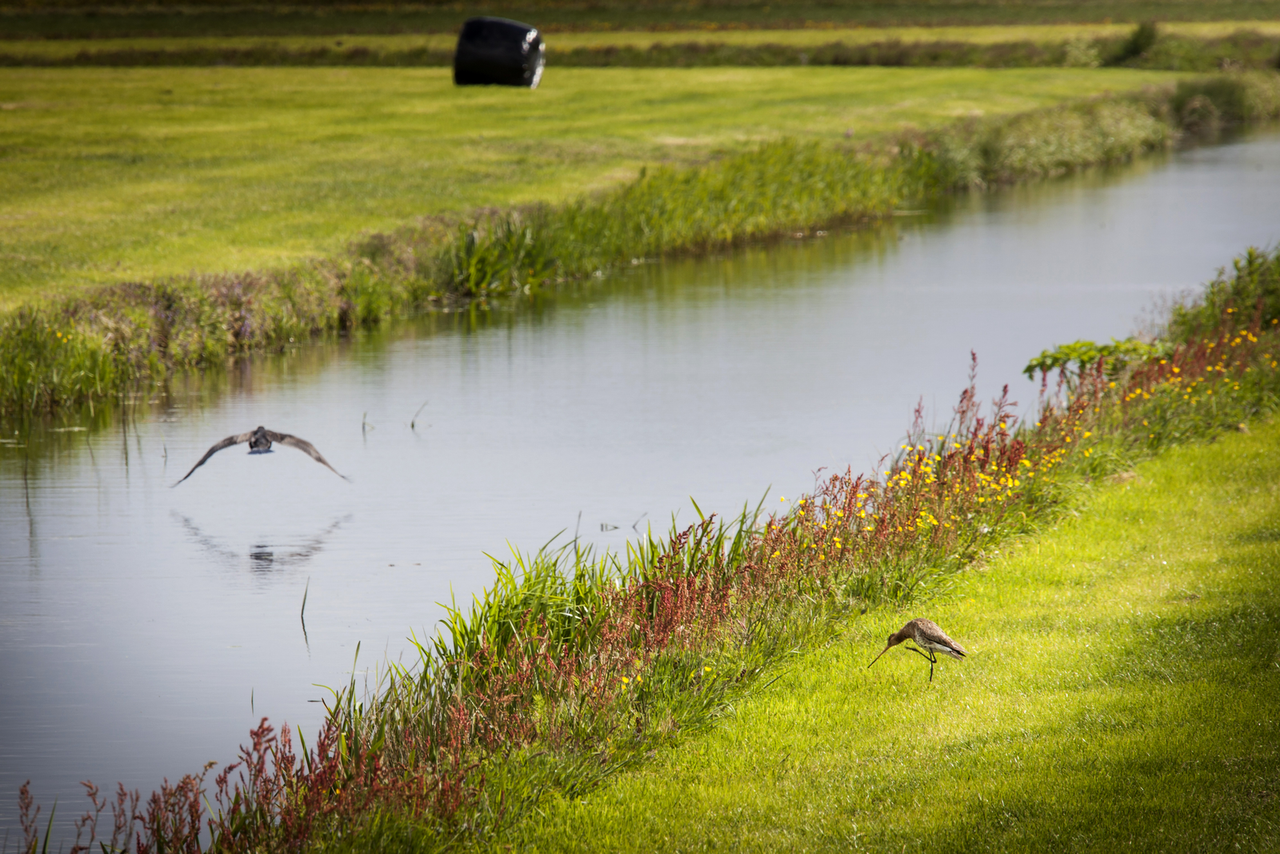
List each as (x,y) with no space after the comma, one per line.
(28,20)
(1201,47)
(559,41)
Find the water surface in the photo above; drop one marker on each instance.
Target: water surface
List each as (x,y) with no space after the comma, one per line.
(144,629)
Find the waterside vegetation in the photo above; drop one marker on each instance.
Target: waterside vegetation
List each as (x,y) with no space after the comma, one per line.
(1243,49)
(93,19)
(1248,46)
(85,347)
(575,666)
(1088,716)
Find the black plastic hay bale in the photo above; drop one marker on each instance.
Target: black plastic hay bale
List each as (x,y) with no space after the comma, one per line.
(498,52)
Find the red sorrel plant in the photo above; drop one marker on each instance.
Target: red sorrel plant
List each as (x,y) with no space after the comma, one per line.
(171,821)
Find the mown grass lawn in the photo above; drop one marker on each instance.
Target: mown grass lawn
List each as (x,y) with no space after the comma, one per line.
(125,18)
(1120,694)
(117,174)
(565,41)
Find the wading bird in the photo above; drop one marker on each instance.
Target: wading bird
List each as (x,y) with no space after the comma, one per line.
(260,443)
(929,637)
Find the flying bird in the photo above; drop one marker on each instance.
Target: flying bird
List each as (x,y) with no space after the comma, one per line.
(929,637)
(260,443)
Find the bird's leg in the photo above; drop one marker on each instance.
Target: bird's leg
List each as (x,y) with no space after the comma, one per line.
(933,659)
(913,649)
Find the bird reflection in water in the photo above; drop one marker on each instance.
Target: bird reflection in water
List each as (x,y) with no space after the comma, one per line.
(262,558)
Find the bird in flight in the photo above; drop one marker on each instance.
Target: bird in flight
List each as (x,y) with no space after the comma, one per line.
(930,637)
(260,443)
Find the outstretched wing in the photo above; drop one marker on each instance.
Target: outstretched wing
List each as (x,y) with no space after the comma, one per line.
(225,443)
(307,448)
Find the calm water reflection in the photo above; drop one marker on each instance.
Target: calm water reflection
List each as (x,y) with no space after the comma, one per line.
(144,629)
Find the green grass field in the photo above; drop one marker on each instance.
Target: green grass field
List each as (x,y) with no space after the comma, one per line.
(119,174)
(559,42)
(75,19)
(1120,694)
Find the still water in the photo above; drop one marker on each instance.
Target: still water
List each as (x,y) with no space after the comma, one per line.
(144,629)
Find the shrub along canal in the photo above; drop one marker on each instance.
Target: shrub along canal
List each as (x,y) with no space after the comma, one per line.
(145,629)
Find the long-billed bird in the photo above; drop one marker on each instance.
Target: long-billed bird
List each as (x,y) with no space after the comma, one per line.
(929,637)
(260,443)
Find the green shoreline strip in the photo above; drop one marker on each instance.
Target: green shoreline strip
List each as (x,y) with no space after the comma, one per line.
(83,348)
(1247,48)
(25,19)
(1120,694)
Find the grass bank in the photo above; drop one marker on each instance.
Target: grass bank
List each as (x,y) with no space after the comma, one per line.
(82,348)
(78,348)
(1203,47)
(135,174)
(1119,693)
(559,42)
(1142,48)
(575,668)
(51,19)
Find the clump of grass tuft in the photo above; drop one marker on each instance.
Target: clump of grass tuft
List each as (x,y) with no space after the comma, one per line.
(1141,40)
(1236,98)
(95,346)
(776,189)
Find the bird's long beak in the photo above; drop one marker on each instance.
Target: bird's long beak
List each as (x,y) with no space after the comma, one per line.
(877,658)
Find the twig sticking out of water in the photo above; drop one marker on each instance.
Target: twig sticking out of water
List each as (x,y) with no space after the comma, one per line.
(414,419)
(302,615)
(364,423)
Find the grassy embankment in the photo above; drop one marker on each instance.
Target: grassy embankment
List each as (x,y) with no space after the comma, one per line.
(1079,720)
(81,347)
(128,175)
(24,19)
(171,189)
(1180,46)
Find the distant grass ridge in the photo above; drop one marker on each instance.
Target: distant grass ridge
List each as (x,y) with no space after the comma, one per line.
(88,19)
(83,348)
(1242,50)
